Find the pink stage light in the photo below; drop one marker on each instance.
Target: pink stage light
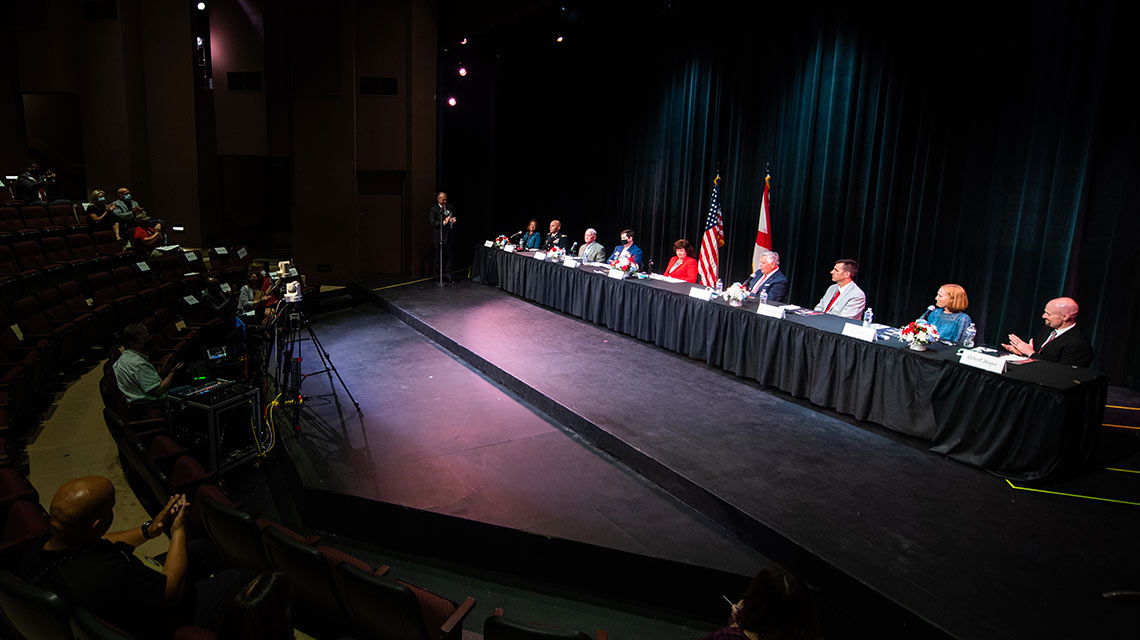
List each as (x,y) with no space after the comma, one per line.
(452,101)
(462,71)
(463,41)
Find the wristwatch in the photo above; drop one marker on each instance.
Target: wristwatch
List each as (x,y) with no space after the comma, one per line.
(146,530)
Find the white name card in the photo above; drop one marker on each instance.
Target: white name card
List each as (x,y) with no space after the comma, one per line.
(221,251)
(771,311)
(993,364)
(859,332)
(191,256)
(539,255)
(570,262)
(509,248)
(225,287)
(191,300)
(19,334)
(701,293)
(616,274)
(489,243)
(242,253)
(144,267)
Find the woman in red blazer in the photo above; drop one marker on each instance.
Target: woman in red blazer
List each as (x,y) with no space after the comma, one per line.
(683,266)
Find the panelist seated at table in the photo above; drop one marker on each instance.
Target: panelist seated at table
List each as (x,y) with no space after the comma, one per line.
(532,239)
(556,238)
(1060,340)
(768,277)
(591,251)
(627,247)
(844,298)
(948,313)
(683,266)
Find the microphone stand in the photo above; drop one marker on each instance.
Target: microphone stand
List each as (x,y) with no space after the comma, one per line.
(442,217)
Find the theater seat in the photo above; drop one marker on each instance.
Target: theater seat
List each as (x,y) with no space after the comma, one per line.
(380,607)
(237,535)
(87,626)
(34,612)
(25,528)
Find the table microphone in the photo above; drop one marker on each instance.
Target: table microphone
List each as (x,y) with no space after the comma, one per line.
(929,310)
(572,247)
(517,234)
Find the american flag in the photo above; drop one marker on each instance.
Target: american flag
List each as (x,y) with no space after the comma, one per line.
(713,239)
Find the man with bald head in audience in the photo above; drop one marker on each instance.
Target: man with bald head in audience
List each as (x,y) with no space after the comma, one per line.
(96,569)
(1060,340)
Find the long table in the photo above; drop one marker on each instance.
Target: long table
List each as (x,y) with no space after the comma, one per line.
(1037,420)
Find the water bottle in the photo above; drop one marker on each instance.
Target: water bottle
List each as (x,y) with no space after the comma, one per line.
(868,315)
(719,285)
(764,296)
(968,339)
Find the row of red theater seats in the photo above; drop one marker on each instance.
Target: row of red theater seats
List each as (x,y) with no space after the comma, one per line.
(30,264)
(36,220)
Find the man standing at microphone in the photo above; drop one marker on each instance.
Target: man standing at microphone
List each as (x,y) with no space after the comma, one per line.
(442,220)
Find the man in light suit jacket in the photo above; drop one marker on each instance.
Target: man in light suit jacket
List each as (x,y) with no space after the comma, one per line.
(844,298)
(591,251)
(768,277)
(1060,340)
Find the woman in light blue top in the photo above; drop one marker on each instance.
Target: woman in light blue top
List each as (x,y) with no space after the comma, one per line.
(532,239)
(949,316)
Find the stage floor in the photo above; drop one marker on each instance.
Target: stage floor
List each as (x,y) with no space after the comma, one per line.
(482,421)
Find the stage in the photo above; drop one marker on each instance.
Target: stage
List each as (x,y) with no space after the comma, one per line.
(480,406)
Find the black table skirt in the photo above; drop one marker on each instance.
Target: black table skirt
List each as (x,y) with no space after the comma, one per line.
(1037,420)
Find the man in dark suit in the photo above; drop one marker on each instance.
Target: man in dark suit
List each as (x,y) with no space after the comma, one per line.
(556,238)
(1060,340)
(442,220)
(768,277)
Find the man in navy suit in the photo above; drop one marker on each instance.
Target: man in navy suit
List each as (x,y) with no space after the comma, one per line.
(768,277)
(1060,340)
(627,246)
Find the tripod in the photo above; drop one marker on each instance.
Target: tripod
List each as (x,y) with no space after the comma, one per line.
(289,375)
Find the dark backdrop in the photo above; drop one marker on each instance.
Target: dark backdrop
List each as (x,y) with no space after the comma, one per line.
(990,149)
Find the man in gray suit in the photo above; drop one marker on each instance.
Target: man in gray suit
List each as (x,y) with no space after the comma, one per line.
(591,251)
(844,298)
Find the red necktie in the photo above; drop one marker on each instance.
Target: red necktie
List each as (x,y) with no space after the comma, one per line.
(1050,338)
(833,299)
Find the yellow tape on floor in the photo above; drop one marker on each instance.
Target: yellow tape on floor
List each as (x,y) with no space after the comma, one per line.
(1073,495)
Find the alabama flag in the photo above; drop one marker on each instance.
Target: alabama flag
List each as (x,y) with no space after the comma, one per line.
(763,231)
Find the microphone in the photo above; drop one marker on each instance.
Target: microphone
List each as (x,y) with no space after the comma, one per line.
(572,247)
(929,310)
(650,266)
(517,234)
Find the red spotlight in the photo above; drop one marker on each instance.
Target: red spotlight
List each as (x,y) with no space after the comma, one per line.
(452,101)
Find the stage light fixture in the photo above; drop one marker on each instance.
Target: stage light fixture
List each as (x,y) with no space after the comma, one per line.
(462,72)
(463,41)
(201,6)
(558,39)
(177,228)
(452,101)
(199,40)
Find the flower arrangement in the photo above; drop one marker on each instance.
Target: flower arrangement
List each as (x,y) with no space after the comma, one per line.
(556,254)
(918,334)
(502,241)
(735,294)
(624,264)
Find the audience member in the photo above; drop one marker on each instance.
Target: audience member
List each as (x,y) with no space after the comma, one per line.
(126,208)
(1060,340)
(215,301)
(532,239)
(95,569)
(136,377)
(32,185)
(683,266)
(627,247)
(261,610)
(776,606)
(101,214)
(556,238)
(591,251)
(768,277)
(844,298)
(948,315)
(146,240)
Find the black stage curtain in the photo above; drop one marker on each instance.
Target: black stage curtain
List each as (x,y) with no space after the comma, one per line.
(988,147)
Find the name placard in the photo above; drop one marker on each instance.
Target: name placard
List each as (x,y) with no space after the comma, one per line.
(19,334)
(509,248)
(616,274)
(993,364)
(570,262)
(242,253)
(539,255)
(191,300)
(142,266)
(190,256)
(221,251)
(701,293)
(489,244)
(859,332)
(225,287)
(771,311)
